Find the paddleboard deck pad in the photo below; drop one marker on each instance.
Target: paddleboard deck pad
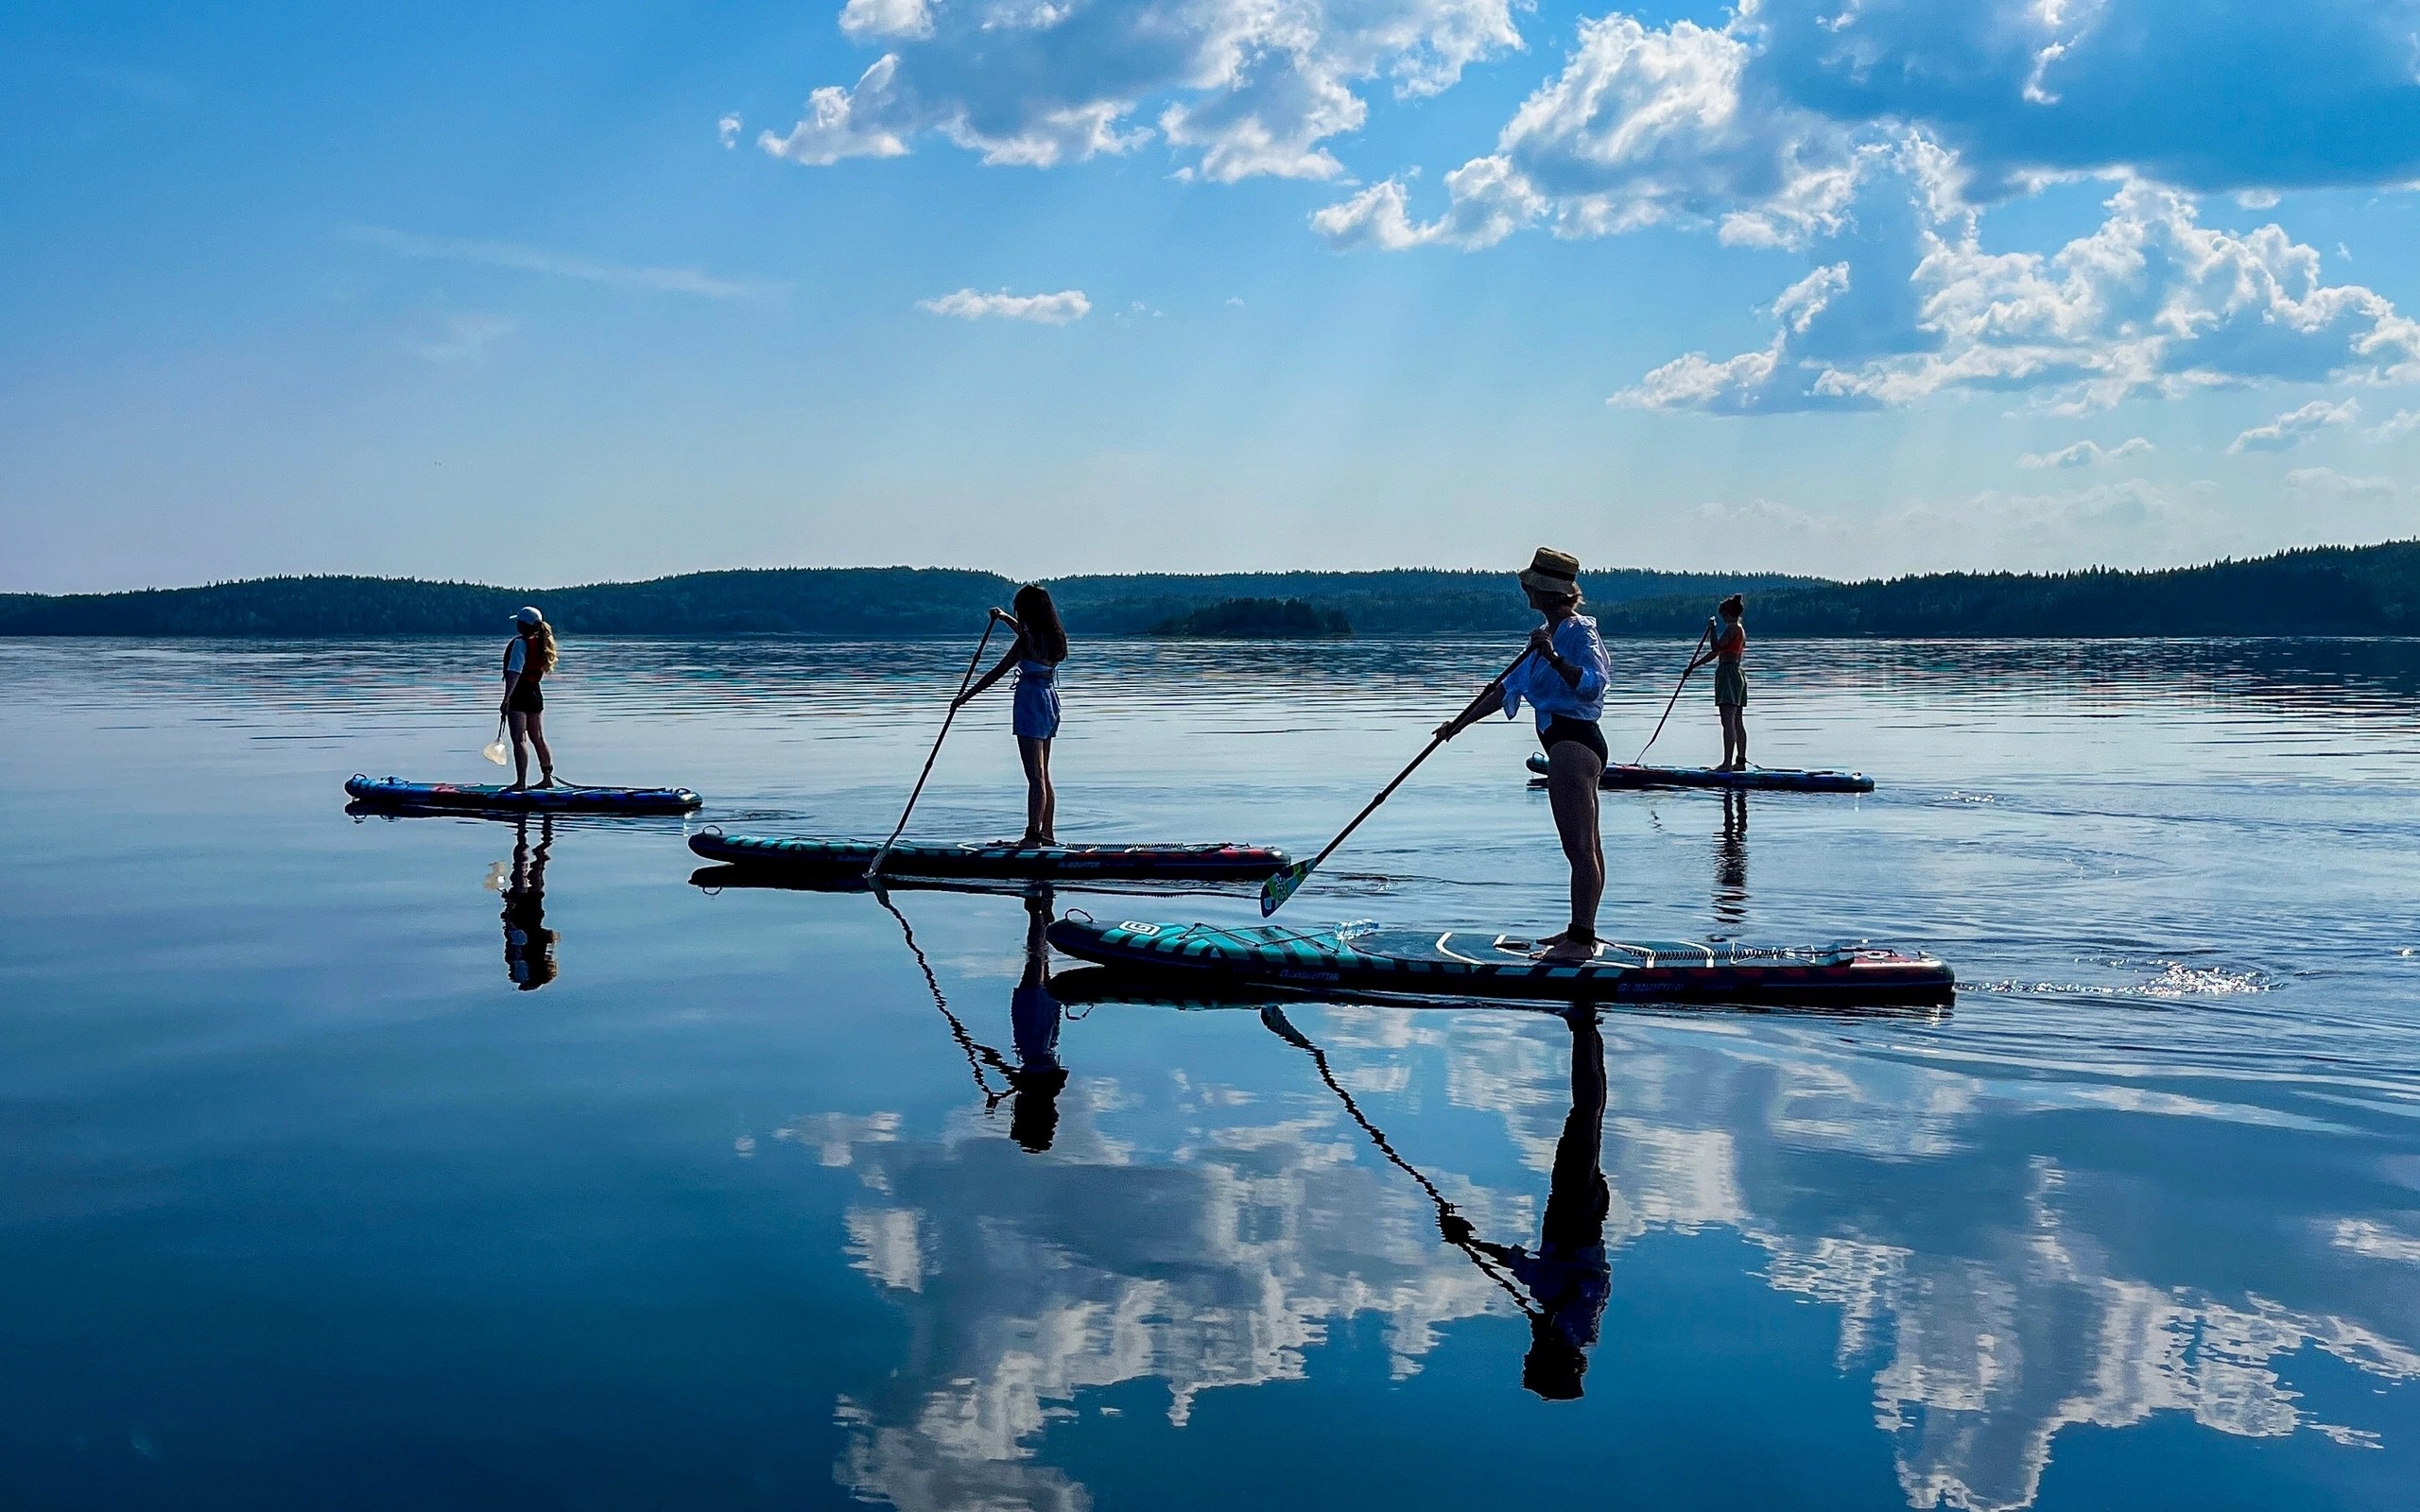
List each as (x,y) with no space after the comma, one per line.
(390,792)
(1001,858)
(1778,778)
(1477,963)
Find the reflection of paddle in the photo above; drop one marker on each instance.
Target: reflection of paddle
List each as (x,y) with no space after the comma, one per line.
(1676,689)
(1456,1228)
(966,1042)
(1274,892)
(883,854)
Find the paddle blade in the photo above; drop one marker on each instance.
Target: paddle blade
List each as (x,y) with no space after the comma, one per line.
(496,753)
(1274,892)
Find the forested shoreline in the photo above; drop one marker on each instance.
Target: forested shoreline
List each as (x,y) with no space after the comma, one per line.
(2318,590)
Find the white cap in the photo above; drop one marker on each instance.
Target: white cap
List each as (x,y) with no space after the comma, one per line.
(530,616)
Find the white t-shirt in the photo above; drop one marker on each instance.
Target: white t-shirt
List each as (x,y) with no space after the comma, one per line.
(516,656)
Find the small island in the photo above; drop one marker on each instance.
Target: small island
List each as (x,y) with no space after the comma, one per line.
(1258,619)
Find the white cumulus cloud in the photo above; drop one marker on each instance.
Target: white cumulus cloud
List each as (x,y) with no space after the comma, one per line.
(2288,430)
(862,19)
(2152,302)
(1244,87)
(2403,424)
(1063,308)
(2085,454)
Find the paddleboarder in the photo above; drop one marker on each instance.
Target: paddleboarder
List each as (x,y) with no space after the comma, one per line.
(1726,641)
(1040,646)
(1563,678)
(527,659)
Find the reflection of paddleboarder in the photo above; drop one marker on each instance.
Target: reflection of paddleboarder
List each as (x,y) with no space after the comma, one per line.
(1033,1016)
(1034,1081)
(528,944)
(1568,1276)
(1731,860)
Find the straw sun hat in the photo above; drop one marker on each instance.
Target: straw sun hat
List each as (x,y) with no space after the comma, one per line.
(1554,573)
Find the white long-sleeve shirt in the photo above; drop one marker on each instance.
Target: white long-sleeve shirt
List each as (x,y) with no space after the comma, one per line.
(1536,682)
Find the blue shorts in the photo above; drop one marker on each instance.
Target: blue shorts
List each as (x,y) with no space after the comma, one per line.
(1037,709)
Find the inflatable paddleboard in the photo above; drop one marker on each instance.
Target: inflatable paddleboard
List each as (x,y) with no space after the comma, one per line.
(391,792)
(1479,963)
(1783,779)
(1000,858)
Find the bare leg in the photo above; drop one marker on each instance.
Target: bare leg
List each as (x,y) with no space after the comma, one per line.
(1572,771)
(546,757)
(1040,799)
(520,749)
(1734,738)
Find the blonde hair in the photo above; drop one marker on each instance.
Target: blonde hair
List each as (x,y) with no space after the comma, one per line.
(545,648)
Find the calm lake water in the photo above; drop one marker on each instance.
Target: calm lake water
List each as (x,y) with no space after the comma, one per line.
(322,1188)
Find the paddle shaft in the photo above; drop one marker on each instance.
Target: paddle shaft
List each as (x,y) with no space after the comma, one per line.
(1674,701)
(963,683)
(1388,791)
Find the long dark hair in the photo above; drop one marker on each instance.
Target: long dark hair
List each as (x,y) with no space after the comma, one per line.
(1044,635)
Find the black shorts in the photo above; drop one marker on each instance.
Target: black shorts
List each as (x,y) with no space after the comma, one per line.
(527,700)
(1562,727)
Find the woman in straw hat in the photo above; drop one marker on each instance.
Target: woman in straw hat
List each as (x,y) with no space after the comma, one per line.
(1563,678)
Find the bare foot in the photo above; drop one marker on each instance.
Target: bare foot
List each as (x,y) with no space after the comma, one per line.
(1569,952)
(516,788)
(548,781)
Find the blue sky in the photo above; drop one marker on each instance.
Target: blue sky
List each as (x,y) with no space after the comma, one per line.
(568,293)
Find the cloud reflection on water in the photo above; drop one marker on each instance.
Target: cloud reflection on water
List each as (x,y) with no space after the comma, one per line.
(1986,1311)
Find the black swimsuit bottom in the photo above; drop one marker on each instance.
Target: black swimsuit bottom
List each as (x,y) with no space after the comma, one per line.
(526,699)
(1562,727)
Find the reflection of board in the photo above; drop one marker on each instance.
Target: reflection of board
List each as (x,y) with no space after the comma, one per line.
(1476,963)
(1000,858)
(1782,778)
(1208,991)
(394,792)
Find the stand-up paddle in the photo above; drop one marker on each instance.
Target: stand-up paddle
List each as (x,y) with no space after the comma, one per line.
(875,865)
(1671,703)
(1274,892)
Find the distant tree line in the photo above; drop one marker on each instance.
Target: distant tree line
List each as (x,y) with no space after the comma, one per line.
(2321,591)
(1259,619)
